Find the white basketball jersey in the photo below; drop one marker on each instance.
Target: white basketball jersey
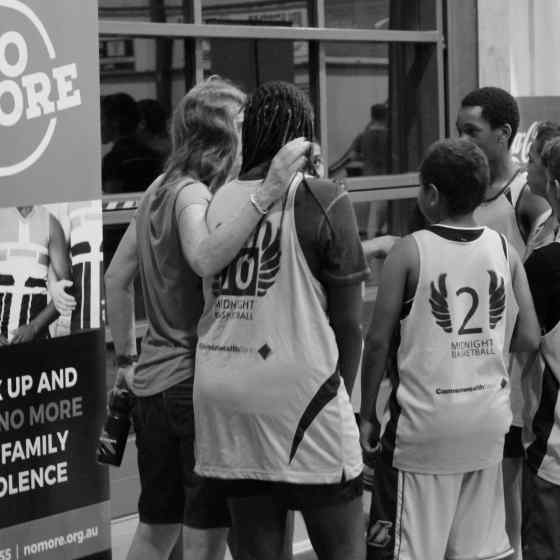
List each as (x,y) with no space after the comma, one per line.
(500,214)
(24,262)
(269,401)
(450,409)
(86,252)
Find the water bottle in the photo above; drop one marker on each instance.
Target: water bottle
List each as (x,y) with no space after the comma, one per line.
(112,441)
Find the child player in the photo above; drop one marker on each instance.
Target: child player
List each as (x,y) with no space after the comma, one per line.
(438,489)
(541,488)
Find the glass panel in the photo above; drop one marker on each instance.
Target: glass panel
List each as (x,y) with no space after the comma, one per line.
(252,62)
(252,12)
(386,128)
(152,74)
(144,10)
(406,15)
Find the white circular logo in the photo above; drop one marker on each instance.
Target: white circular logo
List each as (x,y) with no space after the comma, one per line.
(28,96)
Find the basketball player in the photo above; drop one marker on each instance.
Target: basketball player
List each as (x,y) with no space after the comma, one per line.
(438,483)
(82,223)
(31,239)
(279,347)
(541,486)
(490,117)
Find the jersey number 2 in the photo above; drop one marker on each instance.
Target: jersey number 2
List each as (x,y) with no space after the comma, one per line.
(463,329)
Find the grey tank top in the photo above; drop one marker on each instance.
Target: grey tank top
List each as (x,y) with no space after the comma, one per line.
(172,293)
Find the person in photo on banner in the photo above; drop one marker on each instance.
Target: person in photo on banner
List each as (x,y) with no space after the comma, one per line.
(279,348)
(31,242)
(438,489)
(489,117)
(169,246)
(81,299)
(541,484)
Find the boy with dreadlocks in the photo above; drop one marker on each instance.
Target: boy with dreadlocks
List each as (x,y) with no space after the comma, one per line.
(279,348)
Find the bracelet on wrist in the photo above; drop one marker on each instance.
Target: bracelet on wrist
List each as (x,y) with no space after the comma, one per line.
(125,360)
(262,211)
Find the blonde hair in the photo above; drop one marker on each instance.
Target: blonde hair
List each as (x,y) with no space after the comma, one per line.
(203,132)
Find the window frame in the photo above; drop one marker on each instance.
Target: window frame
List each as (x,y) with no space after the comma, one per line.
(379,187)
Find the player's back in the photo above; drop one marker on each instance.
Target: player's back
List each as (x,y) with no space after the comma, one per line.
(450,410)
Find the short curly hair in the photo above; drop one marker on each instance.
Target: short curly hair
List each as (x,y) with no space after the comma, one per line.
(459,170)
(498,107)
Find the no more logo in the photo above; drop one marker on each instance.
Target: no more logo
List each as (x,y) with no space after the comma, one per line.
(30,95)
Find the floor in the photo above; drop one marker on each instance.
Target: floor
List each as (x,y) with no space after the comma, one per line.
(122,530)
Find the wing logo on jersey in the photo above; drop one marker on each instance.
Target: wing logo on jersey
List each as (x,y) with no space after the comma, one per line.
(440,306)
(255,268)
(497,293)
(438,302)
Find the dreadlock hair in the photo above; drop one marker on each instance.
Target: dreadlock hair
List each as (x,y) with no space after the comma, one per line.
(546,130)
(203,133)
(498,107)
(276,113)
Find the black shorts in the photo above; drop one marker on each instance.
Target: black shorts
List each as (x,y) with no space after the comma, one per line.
(513,444)
(292,496)
(170,491)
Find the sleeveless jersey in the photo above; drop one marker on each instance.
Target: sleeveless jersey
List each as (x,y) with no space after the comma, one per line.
(269,401)
(500,214)
(86,253)
(541,434)
(24,262)
(450,406)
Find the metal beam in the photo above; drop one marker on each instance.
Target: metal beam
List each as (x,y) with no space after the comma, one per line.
(183,30)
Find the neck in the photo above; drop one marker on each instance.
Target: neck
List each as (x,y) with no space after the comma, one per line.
(465,220)
(501,172)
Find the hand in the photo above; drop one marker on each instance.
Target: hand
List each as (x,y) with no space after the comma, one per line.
(290,159)
(379,247)
(64,302)
(25,333)
(125,377)
(369,439)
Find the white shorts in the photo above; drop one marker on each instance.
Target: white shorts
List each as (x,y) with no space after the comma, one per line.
(436,517)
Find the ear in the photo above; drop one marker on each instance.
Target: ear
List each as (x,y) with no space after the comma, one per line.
(556,187)
(505,131)
(432,195)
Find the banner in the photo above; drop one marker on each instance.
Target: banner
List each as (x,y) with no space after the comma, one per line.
(54,497)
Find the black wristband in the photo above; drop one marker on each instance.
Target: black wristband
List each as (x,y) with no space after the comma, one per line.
(124,360)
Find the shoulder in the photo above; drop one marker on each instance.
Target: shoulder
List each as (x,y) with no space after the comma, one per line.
(547,257)
(531,205)
(190,192)
(322,191)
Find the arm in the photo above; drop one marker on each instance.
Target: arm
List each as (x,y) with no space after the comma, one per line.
(344,304)
(58,257)
(379,247)
(59,272)
(208,253)
(120,293)
(388,303)
(535,219)
(526,335)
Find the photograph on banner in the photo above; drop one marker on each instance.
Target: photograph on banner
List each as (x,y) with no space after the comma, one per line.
(51,270)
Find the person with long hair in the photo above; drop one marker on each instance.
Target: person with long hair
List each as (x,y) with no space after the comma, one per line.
(279,348)
(168,245)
